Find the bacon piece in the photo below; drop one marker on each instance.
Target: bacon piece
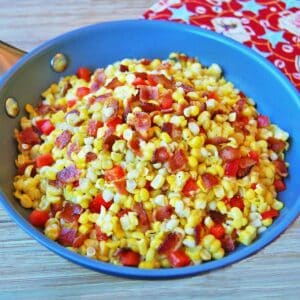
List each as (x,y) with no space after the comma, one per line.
(147,92)
(98,81)
(90,156)
(228,243)
(173,131)
(28,136)
(134,144)
(63,139)
(216,140)
(198,233)
(161,155)
(123,68)
(67,236)
(54,208)
(280,167)
(101,236)
(163,212)
(155,79)
(68,175)
(149,107)
(275,144)
(74,147)
(109,140)
(142,75)
(144,222)
(110,109)
(209,180)
(114,83)
(43,109)
(171,243)
(145,62)
(79,240)
(103,97)
(142,122)
(187,88)
(229,153)
(177,161)
(71,212)
(246,162)
(217,217)
(22,168)
(93,126)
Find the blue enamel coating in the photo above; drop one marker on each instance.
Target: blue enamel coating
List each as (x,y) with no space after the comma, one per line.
(102,44)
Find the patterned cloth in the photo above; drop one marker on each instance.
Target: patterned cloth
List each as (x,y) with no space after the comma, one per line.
(270,27)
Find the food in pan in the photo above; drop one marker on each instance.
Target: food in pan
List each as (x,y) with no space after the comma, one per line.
(150,163)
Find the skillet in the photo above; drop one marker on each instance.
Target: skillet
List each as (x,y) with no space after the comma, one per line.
(101,44)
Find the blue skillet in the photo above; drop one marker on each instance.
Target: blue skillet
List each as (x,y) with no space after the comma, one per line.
(101,44)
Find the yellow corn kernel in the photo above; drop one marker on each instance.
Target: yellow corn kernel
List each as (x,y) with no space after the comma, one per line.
(247,235)
(116,157)
(52,229)
(205,255)
(196,141)
(196,152)
(267,222)
(215,246)
(26,201)
(193,162)
(84,218)
(165,137)
(106,164)
(218,254)
(92,217)
(147,264)
(278,205)
(222,207)
(144,194)
(178,97)
(85,228)
(207,241)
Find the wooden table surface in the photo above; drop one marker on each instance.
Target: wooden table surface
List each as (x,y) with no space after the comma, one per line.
(30,271)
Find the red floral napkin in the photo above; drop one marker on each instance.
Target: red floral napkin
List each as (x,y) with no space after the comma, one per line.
(270,27)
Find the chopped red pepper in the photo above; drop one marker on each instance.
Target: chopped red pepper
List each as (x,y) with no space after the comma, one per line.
(237,201)
(114,174)
(71,212)
(101,236)
(166,101)
(190,187)
(279,185)
(171,243)
(163,212)
(44,160)
(161,155)
(79,240)
(178,259)
(129,258)
(138,81)
(38,218)
(84,73)
(229,153)
(93,126)
(272,213)
(121,186)
(45,126)
(112,124)
(231,168)
(71,103)
(217,231)
(254,155)
(97,202)
(82,91)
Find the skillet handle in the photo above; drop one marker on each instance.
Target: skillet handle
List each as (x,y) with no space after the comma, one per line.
(9,55)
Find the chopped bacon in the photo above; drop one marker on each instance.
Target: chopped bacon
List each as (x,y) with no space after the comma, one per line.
(67,236)
(145,62)
(237,201)
(246,162)
(93,126)
(98,81)
(74,147)
(54,208)
(123,68)
(155,79)
(229,153)
(142,122)
(43,109)
(171,243)
(272,213)
(142,75)
(79,240)
(129,257)
(209,180)
(243,172)
(263,121)
(198,232)
(123,211)
(97,202)
(217,217)
(173,131)
(22,168)
(109,140)
(63,139)
(228,243)
(279,185)
(71,212)
(114,174)
(166,101)
(103,97)
(187,88)
(101,236)
(111,105)
(177,161)
(144,222)
(114,83)
(280,167)
(68,175)
(148,93)
(90,156)
(216,140)
(275,144)
(28,136)
(134,144)
(161,155)
(231,168)
(113,123)
(149,107)
(163,212)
